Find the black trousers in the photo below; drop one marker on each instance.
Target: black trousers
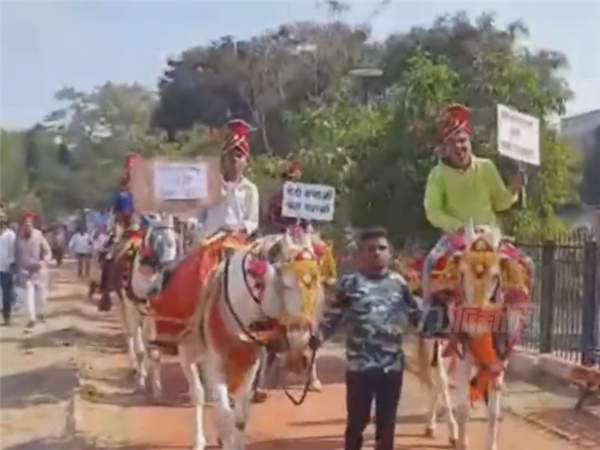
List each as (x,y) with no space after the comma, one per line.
(8,294)
(362,387)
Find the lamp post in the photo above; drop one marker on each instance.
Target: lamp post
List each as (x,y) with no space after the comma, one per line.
(310,49)
(364,74)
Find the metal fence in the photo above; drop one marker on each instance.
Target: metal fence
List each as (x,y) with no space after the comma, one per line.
(561,321)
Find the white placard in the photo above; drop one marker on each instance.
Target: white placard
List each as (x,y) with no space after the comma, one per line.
(518,135)
(308,201)
(180,181)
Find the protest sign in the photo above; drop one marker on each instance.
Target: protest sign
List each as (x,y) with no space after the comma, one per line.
(176,186)
(180,180)
(308,201)
(518,135)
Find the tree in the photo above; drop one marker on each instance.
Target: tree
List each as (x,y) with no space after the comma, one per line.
(257,79)
(456,60)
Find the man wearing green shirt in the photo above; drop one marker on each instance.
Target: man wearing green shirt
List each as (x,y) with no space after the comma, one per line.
(464,188)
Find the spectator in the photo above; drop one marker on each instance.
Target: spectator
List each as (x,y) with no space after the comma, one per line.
(32,254)
(7,260)
(81,246)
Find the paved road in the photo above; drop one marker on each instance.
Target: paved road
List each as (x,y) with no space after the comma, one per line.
(69,390)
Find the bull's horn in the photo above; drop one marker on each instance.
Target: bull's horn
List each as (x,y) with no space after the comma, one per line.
(470,231)
(287,239)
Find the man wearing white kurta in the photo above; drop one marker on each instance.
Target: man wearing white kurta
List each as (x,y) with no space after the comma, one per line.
(32,255)
(239,210)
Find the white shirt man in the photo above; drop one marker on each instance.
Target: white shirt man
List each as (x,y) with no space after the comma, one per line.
(239,209)
(81,244)
(7,259)
(7,248)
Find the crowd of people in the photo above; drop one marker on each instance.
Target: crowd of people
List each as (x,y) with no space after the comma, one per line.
(25,255)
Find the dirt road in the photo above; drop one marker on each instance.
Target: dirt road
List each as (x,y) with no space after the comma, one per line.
(66,386)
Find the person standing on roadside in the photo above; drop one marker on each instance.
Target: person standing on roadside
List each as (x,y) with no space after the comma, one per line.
(32,254)
(377,306)
(7,266)
(81,246)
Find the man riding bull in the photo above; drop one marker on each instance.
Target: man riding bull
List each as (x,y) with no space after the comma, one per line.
(463,188)
(233,219)
(239,210)
(121,221)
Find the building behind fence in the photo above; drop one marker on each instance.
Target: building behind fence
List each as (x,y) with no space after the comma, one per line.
(564,320)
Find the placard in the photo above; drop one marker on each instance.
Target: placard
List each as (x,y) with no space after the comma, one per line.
(518,135)
(180,180)
(147,195)
(308,201)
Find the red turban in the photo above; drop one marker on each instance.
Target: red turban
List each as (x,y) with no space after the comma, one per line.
(238,137)
(130,160)
(455,118)
(291,170)
(27,215)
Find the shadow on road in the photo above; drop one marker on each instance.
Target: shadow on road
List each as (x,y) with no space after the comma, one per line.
(48,385)
(118,388)
(79,443)
(579,424)
(300,443)
(66,337)
(95,316)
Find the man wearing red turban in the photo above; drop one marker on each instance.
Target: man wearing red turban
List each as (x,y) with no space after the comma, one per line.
(239,210)
(226,224)
(123,204)
(463,188)
(123,211)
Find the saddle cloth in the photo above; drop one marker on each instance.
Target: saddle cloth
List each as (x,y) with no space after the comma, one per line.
(175,306)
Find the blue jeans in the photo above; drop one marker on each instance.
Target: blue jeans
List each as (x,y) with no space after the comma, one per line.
(8,293)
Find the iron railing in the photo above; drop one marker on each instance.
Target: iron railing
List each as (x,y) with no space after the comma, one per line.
(564,300)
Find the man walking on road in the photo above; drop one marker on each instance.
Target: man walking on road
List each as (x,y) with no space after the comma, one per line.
(81,245)
(32,254)
(7,260)
(377,305)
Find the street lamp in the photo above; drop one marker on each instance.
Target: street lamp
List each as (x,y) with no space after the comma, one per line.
(364,74)
(310,49)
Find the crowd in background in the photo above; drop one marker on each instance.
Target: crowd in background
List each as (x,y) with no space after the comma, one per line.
(26,251)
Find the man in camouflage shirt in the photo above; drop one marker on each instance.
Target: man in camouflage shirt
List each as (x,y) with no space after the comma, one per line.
(377,308)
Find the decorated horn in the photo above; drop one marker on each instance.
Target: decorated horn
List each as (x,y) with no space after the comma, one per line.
(470,231)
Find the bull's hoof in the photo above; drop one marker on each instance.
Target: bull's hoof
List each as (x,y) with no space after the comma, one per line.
(104,305)
(259,396)
(453,442)
(429,433)
(461,445)
(315,386)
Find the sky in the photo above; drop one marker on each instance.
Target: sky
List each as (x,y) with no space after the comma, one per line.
(47,45)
